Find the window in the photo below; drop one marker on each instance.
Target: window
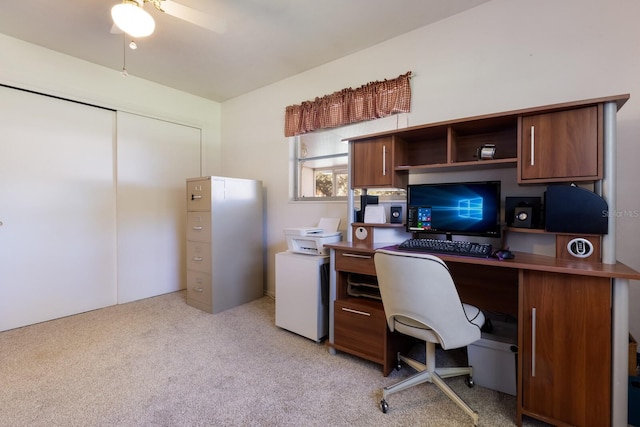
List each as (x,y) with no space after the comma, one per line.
(321,167)
(320,163)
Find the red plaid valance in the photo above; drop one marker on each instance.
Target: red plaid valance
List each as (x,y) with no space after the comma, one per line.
(370,101)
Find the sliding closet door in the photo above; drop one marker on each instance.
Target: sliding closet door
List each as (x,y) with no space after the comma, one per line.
(155,158)
(57,208)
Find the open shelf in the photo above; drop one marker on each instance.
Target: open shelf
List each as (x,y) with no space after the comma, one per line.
(460,166)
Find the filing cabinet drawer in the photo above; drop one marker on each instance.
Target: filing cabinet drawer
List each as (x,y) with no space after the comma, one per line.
(360,326)
(199,195)
(199,226)
(355,262)
(199,290)
(199,257)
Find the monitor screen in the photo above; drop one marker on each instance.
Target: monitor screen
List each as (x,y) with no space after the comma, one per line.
(471,208)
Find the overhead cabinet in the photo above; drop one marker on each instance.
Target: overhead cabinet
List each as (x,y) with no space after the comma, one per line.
(556,143)
(562,145)
(373,164)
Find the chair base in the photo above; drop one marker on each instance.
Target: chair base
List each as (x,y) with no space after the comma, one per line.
(429,373)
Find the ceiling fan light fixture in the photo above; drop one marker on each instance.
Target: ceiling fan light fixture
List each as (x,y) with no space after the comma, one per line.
(131,18)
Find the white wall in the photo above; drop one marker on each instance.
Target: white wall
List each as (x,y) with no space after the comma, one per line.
(499,56)
(32,67)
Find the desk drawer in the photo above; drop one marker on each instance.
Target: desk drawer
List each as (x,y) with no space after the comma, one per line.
(355,262)
(360,326)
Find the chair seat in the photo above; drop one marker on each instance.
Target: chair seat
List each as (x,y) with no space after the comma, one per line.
(406,325)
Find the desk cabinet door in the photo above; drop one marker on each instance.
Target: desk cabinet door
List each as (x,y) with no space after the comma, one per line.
(566,348)
(373,164)
(561,146)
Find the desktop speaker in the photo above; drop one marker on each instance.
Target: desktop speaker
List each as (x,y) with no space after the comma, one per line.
(523,212)
(572,246)
(523,217)
(571,209)
(362,234)
(396,215)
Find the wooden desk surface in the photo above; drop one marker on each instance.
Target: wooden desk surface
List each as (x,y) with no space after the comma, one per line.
(522,261)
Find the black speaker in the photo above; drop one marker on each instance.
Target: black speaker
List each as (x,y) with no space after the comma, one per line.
(523,212)
(523,217)
(365,200)
(396,215)
(571,209)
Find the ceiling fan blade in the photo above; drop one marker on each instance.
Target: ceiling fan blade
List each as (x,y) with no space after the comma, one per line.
(193,16)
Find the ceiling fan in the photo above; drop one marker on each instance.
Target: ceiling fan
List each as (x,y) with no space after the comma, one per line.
(130,17)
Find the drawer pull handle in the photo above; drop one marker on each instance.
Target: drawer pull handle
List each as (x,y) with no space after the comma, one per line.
(198,289)
(362,313)
(533,342)
(197,228)
(195,197)
(197,258)
(357,256)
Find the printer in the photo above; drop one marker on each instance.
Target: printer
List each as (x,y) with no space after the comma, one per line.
(311,240)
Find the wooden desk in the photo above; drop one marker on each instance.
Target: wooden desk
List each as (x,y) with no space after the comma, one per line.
(566,370)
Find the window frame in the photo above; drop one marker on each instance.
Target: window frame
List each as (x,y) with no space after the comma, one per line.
(296,182)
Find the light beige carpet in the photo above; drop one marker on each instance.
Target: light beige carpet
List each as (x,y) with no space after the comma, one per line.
(160,362)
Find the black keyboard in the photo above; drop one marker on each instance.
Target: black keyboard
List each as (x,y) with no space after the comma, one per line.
(437,246)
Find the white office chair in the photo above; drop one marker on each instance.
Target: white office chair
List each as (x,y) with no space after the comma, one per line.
(420,300)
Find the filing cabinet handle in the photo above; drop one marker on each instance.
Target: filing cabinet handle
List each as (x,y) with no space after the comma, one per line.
(195,197)
(357,256)
(197,258)
(197,227)
(362,313)
(198,289)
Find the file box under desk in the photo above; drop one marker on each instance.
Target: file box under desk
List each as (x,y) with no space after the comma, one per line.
(494,356)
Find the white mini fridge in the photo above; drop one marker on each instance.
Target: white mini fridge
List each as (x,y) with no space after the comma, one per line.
(302,294)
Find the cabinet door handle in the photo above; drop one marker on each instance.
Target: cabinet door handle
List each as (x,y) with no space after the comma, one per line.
(197,227)
(197,258)
(195,197)
(533,342)
(357,256)
(533,146)
(350,310)
(384,160)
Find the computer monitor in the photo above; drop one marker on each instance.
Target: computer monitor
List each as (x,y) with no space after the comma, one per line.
(469,208)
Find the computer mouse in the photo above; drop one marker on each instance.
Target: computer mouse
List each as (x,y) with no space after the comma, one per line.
(504,254)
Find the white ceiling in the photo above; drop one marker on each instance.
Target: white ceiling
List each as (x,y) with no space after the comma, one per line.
(265,41)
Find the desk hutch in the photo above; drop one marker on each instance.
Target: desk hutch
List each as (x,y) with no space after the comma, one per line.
(572,314)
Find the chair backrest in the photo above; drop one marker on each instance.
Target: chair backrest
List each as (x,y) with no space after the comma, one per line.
(420,287)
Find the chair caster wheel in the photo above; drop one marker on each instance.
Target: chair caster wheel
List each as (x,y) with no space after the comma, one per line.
(384,406)
(469,382)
